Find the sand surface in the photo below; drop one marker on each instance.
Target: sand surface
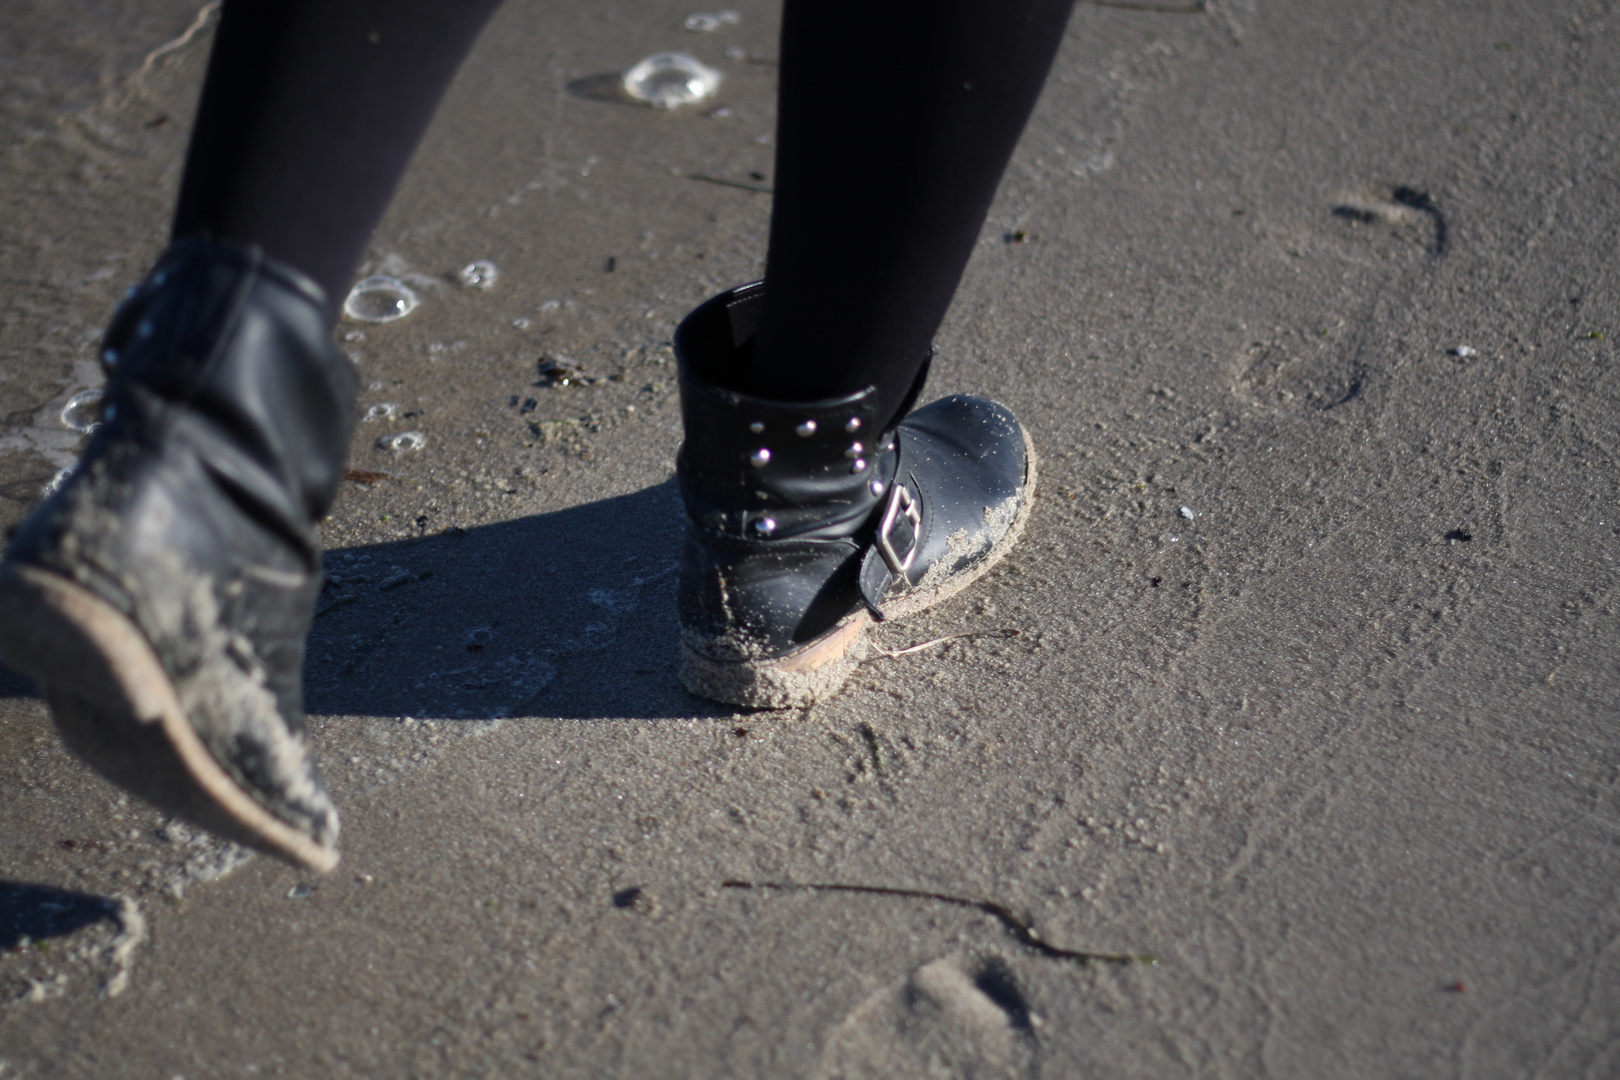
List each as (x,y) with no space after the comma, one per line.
(1312,310)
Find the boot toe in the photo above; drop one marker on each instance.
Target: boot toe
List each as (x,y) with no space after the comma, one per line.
(961,495)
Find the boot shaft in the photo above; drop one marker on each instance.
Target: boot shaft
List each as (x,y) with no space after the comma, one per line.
(752,469)
(235,349)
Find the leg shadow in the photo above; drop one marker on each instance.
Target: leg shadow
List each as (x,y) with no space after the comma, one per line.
(570,614)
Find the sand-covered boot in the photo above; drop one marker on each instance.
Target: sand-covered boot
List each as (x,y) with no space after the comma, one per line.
(161,598)
(805,521)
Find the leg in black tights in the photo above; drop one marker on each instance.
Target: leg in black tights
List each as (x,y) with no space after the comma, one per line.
(229,411)
(896,121)
(309,115)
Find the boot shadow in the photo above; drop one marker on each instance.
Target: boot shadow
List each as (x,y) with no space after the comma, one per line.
(15,685)
(569,614)
(39,912)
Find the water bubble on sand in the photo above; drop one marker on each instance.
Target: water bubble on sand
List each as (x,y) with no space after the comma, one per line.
(521,323)
(707,22)
(83,411)
(479,274)
(667,80)
(1187,512)
(299,892)
(405,440)
(383,410)
(380,299)
(1465,352)
(55,483)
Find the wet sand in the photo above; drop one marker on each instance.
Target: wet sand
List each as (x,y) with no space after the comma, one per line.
(1312,311)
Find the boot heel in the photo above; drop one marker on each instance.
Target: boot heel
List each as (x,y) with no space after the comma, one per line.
(802,677)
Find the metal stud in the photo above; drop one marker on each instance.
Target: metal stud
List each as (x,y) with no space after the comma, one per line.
(855,450)
(760,458)
(160,277)
(757,427)
(764,526)
(877,487)
(132,292)
(806,429)
(109,357)
(852,425)
(109,413)
(858,467)
(145,329)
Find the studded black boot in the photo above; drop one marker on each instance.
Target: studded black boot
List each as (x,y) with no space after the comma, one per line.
(804,521)
(162,596)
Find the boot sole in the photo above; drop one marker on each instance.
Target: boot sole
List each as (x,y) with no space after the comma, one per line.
(116,708)
(820,667)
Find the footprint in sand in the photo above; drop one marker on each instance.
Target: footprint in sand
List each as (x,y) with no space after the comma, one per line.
(946,1019)
(1404,209)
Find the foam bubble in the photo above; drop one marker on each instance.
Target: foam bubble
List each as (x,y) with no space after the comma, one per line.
(83,411)
(405,440)
(380,299)
(479,274)
(667,80)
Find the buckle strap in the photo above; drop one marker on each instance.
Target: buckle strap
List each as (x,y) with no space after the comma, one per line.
(902,519)
(894,548)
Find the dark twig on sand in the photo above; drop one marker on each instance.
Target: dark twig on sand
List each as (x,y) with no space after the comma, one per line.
(340,602)
(761,188)
(1021,930)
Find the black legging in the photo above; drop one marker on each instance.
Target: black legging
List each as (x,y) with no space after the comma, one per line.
(884,172)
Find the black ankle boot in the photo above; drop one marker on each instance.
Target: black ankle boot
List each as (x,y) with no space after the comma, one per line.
(162,596)
(804,521)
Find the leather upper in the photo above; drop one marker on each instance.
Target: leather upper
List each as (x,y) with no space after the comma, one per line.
(782,546)
(224,430)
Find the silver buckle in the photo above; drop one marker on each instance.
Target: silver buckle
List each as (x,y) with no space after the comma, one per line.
(900,502)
